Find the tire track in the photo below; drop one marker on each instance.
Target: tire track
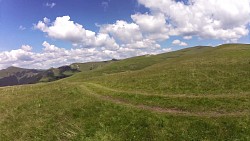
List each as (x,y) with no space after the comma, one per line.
(160,110)
(173,96)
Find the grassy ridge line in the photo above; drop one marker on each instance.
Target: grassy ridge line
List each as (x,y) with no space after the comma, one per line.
(137,63)
(223,69)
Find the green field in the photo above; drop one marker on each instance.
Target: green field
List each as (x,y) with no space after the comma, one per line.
(200,93)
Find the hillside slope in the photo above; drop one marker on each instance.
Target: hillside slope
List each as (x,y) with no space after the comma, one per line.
(224,69)
(199,93)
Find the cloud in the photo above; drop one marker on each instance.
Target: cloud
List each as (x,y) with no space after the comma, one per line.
(50,5)
(13,57)
(187,37)
(123,31)
(179,43)
(143,44)
(119,40)
(207,19)
(153,26)
(26,48)
(64,29)
(54,56)
(210,19)
(21,27)
(51,48)
(110,36)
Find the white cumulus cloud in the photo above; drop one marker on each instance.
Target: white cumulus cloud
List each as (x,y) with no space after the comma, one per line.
(179,43)
(113,37)
(207,19)
(26,48)
(64,29)
(210,19)
(123,31)
(153,26)
(54,56)
(187,37)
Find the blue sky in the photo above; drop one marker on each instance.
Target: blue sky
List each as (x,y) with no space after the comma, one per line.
(16,13)
(113,28)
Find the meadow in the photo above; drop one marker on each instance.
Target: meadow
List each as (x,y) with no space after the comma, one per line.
(199,93)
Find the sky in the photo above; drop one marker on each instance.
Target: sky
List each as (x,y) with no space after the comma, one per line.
(51,33)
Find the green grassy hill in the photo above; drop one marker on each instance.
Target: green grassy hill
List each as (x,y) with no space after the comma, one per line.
(200,93)
(90,66)
(225,69)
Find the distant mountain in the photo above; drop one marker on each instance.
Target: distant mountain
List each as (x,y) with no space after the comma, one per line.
(57,73)
(19,76)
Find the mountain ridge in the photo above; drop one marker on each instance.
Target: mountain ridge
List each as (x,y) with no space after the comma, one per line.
(19,76)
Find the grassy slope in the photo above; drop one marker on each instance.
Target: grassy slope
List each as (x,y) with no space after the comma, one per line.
(225,69)
(137,63)
(193,94)
(83,67)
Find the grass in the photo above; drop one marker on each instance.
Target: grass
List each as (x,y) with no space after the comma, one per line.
(191,103)
(199,93)
(216,71)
